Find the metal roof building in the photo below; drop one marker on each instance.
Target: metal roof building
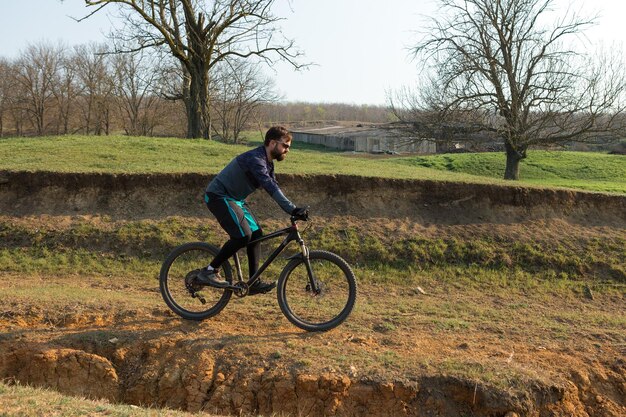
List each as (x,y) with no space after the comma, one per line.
(372,139)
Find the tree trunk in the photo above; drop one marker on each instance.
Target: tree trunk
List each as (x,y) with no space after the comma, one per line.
(513,156)
(197,102)
(66,119)
(194,125)
(88,116)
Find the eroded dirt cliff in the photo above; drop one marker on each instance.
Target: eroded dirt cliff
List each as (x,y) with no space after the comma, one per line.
(161,195)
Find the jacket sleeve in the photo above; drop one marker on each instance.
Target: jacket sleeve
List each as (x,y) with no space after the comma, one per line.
(269,184)
(283,201)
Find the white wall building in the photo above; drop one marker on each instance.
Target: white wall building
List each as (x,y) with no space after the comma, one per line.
(363,139)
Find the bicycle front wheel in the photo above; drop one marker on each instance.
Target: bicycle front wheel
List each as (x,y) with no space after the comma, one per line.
(176,282)
(323,305)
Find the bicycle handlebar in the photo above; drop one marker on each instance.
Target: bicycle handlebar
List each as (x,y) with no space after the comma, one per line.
(303,216)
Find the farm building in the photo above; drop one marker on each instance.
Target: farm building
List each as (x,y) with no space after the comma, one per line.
(370,139)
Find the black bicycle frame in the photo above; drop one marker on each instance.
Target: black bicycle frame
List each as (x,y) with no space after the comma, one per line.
(292,234)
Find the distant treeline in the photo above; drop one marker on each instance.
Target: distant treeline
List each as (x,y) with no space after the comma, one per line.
(55,90)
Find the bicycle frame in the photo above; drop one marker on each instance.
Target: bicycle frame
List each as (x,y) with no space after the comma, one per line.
(317,300)
(292,234)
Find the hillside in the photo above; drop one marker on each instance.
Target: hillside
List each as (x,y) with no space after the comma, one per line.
(130,155)
(480,300)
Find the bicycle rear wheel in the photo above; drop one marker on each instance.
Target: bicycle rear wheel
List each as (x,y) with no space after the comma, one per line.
(176,282)
(317,310)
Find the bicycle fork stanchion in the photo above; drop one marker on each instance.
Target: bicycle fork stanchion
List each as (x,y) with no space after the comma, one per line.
(307,263)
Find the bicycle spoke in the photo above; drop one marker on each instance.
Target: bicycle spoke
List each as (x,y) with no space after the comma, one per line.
(181,292)
(325,307)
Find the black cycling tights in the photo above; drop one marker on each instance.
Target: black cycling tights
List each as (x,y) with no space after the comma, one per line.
(233,245)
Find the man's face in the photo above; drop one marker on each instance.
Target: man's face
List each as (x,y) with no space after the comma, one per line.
(280,148)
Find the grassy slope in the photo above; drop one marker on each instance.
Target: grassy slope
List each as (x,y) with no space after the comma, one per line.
(51,271)
(590,171)
(586,170)
(29,246)
(109,266)
(27,401)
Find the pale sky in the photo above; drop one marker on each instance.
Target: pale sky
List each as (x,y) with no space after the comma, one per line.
(360,47)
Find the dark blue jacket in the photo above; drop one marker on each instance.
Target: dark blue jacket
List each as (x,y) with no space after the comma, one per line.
(246,173)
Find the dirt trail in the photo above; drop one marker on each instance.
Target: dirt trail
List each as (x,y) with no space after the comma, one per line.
(250,360)
(451,350)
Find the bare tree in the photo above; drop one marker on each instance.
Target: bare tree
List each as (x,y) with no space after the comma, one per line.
(93,76)
(15,98)
(297,113)
(6,87)
(65,92)
(37,70)
(496,68)
(134,85)
(200,34)
(239,90)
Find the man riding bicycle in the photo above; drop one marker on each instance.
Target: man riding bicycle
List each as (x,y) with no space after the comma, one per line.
(225,197)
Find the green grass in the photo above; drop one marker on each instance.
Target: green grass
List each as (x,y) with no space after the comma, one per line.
(50,275)
(113,265)
(121,154)
(585,170)
(25,401)
(113,248)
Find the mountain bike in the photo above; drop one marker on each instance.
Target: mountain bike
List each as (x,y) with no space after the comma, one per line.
(316,289)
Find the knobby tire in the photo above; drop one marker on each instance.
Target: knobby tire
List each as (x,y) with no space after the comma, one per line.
(181,261)
(323,311)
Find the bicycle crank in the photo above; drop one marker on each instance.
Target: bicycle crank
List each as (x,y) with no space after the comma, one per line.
(240,289)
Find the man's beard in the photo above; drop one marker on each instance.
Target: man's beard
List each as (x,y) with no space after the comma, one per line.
(277,154)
